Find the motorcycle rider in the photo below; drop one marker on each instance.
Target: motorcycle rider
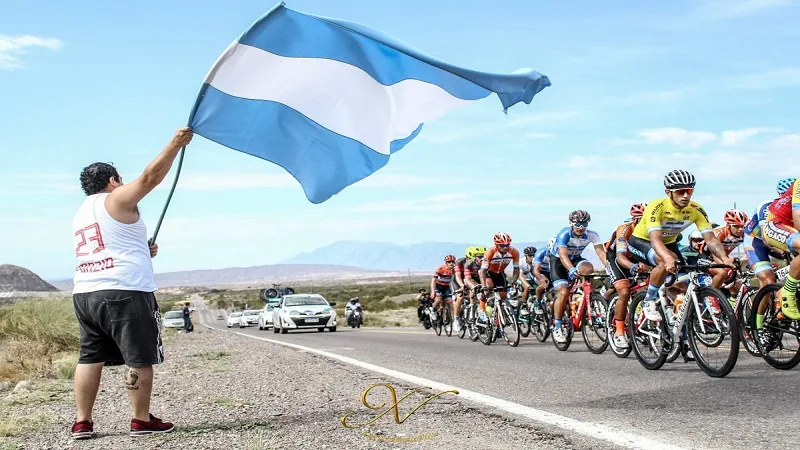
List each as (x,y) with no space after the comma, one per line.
(350,307)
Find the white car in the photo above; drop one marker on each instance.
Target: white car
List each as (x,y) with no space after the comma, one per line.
(303,311)
(235,319)
(173,319)
(251,316)
(265,317)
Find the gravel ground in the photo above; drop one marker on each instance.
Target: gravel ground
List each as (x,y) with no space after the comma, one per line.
(228,391)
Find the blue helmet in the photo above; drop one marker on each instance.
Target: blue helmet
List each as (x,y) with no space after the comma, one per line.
(784,185)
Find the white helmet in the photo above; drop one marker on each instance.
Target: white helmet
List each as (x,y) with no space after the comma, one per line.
(550,243)
(679,179)
(695,235)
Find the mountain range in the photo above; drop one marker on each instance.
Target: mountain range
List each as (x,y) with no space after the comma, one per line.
(421,257)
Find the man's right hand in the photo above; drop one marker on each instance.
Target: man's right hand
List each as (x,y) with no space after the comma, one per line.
(182,137)
(670,264)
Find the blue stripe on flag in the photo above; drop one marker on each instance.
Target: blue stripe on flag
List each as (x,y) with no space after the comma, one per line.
(289,33)
(322,161)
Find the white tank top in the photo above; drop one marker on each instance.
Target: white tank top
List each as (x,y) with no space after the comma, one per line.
(110,254)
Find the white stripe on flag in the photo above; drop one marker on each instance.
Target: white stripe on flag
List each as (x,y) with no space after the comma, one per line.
(337,96)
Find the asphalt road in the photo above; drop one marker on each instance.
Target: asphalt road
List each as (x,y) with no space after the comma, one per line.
(753,407)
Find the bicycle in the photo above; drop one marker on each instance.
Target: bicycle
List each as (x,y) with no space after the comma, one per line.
(467,315)
(541,313)
(586,310)
(778,331)
(639,283)
(705,311)
(501,316)
(742,308)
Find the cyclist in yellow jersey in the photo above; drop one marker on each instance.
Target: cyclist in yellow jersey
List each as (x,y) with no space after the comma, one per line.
(655,237)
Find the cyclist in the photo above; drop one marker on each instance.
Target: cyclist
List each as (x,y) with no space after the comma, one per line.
(422,300)
(460,279)
(472,269)
(541,270)
(758,252)
(495,261)
(654,239)
(731,235)
(528,278)
(440,283)
(619,266)
(566,261)
(780,232)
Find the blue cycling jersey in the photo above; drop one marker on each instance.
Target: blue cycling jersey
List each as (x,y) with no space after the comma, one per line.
(542,257)
(575,244)
(753,227)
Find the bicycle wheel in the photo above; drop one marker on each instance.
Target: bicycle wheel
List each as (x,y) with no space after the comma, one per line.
(462,321)
(437,324)
(743,310)
(447,319)
(541,325)
(473,330)
(715,328)
(611,329)
(778,334)
(524,323)
(645,337)
(508,320)
(593,325)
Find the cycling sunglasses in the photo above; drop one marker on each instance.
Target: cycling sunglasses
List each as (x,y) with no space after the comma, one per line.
(581,224)
(683,191)
(504,245)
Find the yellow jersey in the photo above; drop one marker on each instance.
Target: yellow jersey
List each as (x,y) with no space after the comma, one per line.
(663,215)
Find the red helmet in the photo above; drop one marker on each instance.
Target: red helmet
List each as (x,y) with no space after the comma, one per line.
(637,209)
(449,258)
(502,239)
(735,217)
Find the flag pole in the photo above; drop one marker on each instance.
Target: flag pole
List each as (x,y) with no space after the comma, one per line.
(200,95)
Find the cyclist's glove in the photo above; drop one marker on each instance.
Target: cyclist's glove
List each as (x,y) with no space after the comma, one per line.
(572,272)
(634,269)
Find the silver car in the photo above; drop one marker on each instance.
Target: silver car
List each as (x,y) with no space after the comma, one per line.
(173,319)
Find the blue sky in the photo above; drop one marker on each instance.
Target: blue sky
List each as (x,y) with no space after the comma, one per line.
(638,88)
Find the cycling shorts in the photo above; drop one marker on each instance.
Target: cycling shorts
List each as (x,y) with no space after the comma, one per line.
(498,279)
(616,274)
(443,291)
(758,255)
(559,274)
(642,251)
(778,234)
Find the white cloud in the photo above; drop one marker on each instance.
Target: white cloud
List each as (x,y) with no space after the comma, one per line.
(539,135)
(677,136)
(692,139)
(732,9)
(734,137)
(767,80)
(647,97)
(12,47)
(785,142)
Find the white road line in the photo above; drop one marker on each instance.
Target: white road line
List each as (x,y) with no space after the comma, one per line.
(594,430)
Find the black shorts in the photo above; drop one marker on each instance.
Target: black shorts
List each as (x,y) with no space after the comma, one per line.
(498,279)
(119,327)
(643,252)
(614,271)
(559,273)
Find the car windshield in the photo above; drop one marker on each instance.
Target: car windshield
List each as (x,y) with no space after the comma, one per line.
(304,301)
(252,312)
(236,314)
(173,315)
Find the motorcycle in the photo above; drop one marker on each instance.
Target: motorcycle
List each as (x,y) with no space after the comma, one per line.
(355,319)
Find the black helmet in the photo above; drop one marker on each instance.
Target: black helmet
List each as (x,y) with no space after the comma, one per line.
(678,179)
(354,299)
(579,215)
(529,251)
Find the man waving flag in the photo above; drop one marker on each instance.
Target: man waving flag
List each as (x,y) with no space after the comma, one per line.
(330,100)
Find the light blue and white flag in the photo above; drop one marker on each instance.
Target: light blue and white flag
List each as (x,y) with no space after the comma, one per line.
(330,100)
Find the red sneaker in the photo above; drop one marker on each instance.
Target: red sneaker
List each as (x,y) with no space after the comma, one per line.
(155,425)
(83,430)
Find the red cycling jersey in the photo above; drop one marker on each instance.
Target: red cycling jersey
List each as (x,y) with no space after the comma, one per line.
(497,262)
(443,275)
(781,208)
